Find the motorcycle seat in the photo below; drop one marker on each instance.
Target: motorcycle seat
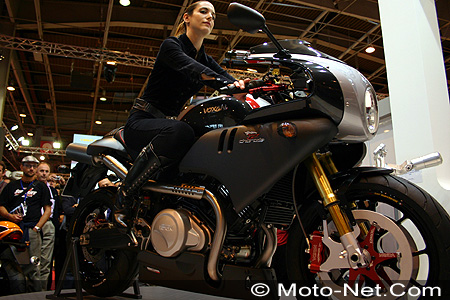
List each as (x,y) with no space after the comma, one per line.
(112,141)
(105,144)
(118,135)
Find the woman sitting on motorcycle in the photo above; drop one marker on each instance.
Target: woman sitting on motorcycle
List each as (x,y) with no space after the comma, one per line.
(181,69)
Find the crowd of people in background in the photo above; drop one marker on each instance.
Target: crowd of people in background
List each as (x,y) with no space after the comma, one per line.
(34,202)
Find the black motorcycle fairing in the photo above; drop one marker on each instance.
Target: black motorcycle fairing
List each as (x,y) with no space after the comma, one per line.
(214,113)
(326,97)
(294,47)
(250,159)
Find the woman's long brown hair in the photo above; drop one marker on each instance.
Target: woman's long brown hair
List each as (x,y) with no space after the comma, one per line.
(190,10)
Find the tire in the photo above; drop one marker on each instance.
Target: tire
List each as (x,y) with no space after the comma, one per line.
(103,273)
(12,279)
(417,223)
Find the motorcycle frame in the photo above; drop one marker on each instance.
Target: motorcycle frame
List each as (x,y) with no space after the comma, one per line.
(323,186)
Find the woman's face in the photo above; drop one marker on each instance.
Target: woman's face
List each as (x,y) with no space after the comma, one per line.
(202,18)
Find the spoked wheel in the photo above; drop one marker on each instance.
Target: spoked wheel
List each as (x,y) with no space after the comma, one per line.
(103,273)
(402,230)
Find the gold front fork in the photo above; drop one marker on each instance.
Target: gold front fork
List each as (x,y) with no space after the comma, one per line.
(330,202)
(327,162)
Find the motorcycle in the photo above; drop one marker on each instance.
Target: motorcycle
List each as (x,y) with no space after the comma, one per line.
(12,254)
(290,165)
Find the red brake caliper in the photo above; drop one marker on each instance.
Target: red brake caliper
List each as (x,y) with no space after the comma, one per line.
(371,271)
(316,251)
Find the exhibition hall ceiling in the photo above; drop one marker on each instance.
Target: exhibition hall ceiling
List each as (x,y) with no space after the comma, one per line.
(60,49)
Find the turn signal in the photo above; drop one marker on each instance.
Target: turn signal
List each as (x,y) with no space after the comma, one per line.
(287,130)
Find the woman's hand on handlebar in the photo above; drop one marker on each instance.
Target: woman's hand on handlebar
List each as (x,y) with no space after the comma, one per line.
(241,84)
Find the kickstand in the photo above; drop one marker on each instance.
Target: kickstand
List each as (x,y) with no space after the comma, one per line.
(73,255)
(136,290)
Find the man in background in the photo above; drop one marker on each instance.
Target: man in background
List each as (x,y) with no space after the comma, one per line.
(48,230)
(21,202)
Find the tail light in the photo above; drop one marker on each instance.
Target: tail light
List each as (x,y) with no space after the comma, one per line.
(15,236)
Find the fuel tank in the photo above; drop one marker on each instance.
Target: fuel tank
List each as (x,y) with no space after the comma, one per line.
(214,113)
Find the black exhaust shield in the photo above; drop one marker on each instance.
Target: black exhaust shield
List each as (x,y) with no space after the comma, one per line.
(250,159)
(187,272)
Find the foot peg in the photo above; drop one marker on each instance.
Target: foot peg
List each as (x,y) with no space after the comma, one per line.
(119,219)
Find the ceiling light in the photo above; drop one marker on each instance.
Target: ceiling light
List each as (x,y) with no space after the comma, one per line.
(98,122)
(103,99)
(22,115)
(252,70)
(370,49)
(25,142)
(30,134)
(111,62)
(42,157)
(56,145)
(14,127)
(124,2)
(10,88)
(20,139)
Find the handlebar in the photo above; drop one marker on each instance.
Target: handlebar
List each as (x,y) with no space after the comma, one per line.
(232,89)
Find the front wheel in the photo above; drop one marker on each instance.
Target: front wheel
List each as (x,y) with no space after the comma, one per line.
(104,273)
(402,227)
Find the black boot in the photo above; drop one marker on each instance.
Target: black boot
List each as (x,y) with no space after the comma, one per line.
(145,167)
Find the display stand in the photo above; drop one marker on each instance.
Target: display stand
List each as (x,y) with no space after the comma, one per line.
(73,255)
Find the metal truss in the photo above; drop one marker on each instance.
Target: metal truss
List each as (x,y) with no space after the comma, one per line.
(101,55)
(13,144)
(123,58)
(10,139)
(42,151)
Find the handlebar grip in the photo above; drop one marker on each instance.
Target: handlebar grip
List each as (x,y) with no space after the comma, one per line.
(232,89)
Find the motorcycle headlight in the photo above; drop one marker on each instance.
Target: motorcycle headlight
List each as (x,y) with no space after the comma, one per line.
(372,116)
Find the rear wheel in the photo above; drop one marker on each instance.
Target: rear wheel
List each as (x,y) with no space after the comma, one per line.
(402,227)
(103,273)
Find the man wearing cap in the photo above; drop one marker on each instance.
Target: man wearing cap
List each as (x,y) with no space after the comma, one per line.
(21,202)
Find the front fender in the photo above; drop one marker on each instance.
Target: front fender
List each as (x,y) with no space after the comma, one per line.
(307,194)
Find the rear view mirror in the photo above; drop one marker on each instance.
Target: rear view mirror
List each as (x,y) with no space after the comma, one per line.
(245,18)
(250,20)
